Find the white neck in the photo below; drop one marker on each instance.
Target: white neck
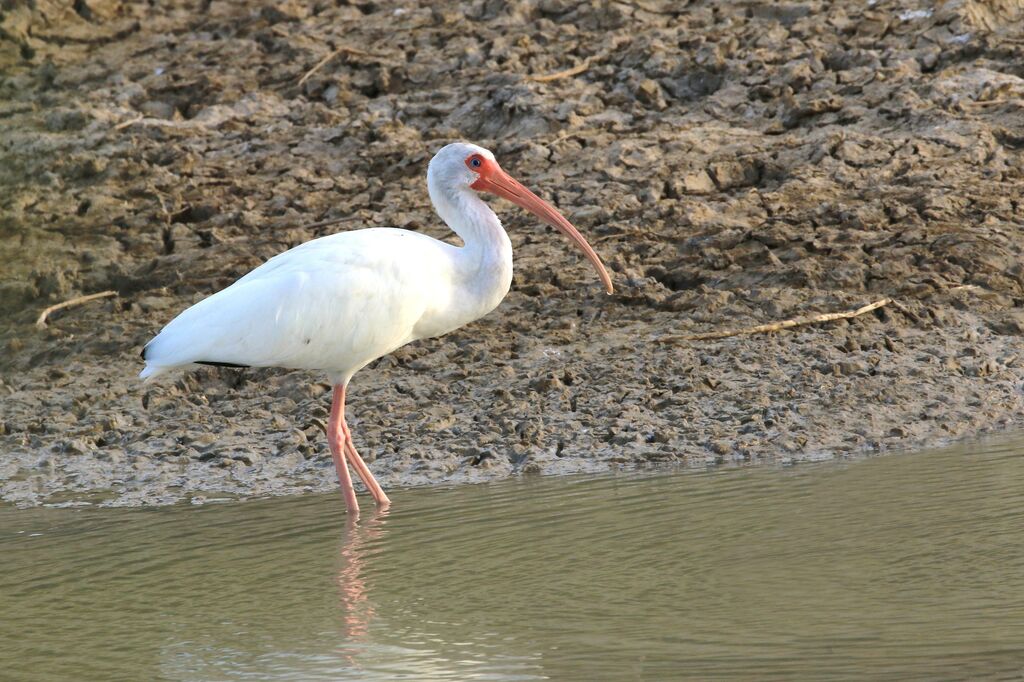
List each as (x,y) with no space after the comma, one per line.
(483,266)
(469,217)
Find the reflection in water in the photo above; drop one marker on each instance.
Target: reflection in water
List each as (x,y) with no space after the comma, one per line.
(357,609)
(899,566)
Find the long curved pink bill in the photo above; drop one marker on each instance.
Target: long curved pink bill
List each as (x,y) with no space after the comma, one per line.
(504,185)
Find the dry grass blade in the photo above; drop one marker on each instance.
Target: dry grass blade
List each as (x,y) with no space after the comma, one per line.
(785,324)
(71,303)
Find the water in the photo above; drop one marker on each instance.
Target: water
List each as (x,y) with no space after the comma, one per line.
(898,567)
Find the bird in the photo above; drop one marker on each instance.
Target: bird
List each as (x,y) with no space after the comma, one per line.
(336,303)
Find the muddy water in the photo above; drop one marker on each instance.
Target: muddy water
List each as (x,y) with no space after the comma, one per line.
(896,567)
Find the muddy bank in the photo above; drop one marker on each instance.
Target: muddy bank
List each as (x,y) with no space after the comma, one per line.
(734,165)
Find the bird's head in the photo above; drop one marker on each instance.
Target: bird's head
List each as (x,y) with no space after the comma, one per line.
(468,166)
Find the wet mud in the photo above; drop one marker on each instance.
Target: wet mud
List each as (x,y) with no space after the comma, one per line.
(734,164)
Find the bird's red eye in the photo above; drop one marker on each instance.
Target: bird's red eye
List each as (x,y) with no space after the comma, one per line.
(475,162)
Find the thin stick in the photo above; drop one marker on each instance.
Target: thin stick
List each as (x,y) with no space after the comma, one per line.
(990,102)
(130,122)
(41,322)
(578,69)
(906,311)
(341,50)
(786,324)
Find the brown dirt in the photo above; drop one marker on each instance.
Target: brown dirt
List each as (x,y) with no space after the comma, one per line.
(734,163)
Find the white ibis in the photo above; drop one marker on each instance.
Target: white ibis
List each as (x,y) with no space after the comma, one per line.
(339,302)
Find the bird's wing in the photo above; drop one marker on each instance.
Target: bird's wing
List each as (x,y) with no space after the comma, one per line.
(334,303)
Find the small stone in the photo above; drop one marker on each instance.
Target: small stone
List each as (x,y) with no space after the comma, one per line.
(730,174)
(157,109)
(649,92)
(698,183)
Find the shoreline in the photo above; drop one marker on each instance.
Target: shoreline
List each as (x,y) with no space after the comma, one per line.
(112,499)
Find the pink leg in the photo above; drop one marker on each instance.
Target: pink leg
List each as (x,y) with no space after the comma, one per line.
(364,473)
(336,438)
(360,466)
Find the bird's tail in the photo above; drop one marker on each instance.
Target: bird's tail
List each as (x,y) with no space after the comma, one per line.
(149,371)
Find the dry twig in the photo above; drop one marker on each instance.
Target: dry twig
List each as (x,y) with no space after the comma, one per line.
(914,317)
(129,123)
(575,70)
(784,324)
(41,321)
(578,69)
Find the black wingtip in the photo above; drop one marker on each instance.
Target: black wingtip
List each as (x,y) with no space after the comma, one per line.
(143,353)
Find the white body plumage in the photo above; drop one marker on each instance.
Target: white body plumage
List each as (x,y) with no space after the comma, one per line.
(339,302)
